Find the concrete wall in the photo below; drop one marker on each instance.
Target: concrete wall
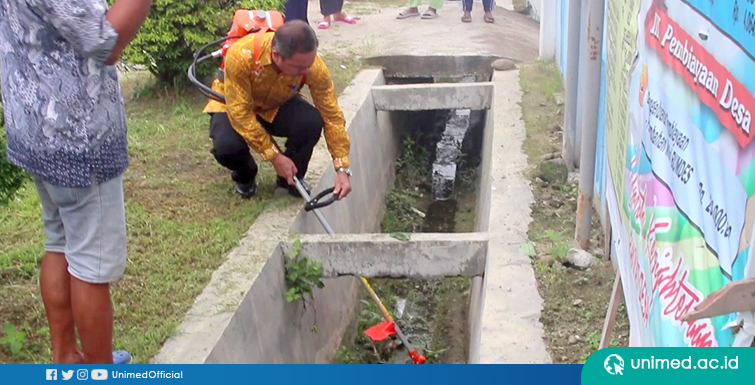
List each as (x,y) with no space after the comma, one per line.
(242,315)
(374,149)
(549,24)
(267,330)
(283,333)
(482,225)
(508,330)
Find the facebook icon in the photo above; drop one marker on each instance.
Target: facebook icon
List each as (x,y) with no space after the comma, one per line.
(52,374)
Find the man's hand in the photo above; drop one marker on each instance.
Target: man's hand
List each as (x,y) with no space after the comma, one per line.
(285,168)
(343,185)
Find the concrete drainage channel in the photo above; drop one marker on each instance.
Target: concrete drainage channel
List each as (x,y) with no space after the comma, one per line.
(243,317)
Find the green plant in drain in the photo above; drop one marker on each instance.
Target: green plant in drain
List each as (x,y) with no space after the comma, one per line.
(302,275)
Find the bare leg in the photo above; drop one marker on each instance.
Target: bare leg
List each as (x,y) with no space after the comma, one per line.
(93,314)
(55,283)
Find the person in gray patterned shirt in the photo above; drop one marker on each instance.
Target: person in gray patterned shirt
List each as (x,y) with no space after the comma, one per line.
(65,125)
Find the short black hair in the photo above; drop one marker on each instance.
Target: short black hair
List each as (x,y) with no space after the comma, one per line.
(294,36)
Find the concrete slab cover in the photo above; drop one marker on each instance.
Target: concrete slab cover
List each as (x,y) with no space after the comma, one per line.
(424,256)
(439,96)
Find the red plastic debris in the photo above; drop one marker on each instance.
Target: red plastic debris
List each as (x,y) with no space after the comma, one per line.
(381,331)
(416,357)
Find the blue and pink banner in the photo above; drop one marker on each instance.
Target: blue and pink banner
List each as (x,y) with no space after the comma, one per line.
(682,171)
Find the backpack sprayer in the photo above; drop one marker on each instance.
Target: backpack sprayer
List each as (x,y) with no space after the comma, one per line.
(246,22)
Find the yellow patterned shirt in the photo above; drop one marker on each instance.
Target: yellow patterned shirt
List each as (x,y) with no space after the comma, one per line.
(250,93)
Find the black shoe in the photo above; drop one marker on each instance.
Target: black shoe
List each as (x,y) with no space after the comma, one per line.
(292,189)
(246,190)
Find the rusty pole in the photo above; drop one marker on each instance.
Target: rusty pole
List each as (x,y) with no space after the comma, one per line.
(590,89)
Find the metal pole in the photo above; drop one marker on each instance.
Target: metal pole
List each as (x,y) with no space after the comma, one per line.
(590,88)
(572,74)
(365,282)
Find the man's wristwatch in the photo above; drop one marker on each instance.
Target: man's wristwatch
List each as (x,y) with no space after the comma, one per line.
(344,170)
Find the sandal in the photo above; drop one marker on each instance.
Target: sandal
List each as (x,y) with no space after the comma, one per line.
(466,19)
(430,15)
(489,19)
(347,20)
(405,14)
(323,25)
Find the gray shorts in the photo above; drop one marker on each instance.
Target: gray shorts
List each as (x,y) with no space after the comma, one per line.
(88,225)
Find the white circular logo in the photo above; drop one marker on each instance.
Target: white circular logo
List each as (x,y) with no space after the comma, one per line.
(614,364)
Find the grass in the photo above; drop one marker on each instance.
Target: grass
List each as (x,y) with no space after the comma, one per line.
(575,301)
(183,218)
(343,67)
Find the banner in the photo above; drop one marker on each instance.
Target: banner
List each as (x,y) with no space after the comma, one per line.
(683,170)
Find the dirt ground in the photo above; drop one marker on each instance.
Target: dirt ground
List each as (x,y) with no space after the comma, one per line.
(378,32)
(575,300)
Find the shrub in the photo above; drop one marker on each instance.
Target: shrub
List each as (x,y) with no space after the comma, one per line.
(11,177)
(176,29)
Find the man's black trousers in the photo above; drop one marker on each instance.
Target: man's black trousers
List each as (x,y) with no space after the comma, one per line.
(297,120)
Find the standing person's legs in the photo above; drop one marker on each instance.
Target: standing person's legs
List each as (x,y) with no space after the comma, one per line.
(296,10)
(333,8)
(488,6)
(301,124)
(232,151)
(90,225)
(467,7)
(432,9)
(328,8)
(412,11)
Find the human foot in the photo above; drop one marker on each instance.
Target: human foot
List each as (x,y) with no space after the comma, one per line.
(407,13)
(431,13)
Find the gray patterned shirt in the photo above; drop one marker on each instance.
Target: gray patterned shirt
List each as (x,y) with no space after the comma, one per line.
(64,115)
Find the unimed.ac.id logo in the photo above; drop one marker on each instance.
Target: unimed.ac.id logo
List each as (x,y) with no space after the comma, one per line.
(614,365)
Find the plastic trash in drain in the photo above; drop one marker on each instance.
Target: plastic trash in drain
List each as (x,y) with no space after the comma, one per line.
(447,154)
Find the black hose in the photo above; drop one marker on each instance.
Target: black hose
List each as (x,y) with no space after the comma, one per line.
(192,73)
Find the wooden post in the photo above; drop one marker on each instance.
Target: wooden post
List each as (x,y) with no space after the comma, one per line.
(733,298)
(613,308)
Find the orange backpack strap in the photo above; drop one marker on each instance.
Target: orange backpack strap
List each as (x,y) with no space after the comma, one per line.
(258,48)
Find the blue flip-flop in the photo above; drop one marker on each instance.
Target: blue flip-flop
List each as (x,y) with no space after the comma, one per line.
(122,357)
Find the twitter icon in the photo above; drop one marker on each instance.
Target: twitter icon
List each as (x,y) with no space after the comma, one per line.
(67,374)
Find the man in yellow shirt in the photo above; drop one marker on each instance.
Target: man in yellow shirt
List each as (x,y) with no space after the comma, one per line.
(262,99)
